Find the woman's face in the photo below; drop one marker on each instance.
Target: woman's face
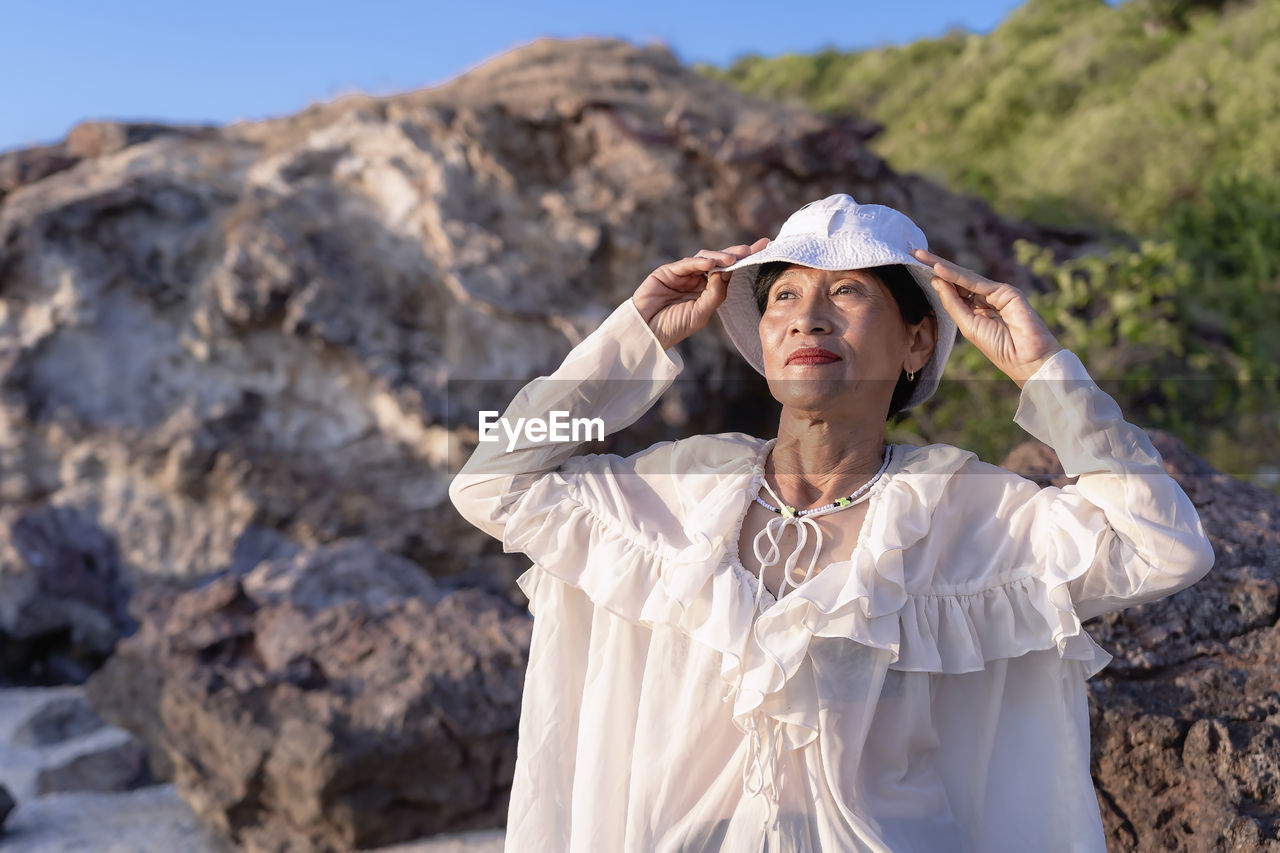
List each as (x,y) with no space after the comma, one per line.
(836,340)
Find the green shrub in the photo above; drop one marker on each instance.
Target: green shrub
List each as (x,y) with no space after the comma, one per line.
(1071,112)
(1151,118)
(1136,318)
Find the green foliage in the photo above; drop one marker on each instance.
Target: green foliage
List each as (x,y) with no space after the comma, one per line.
(1154,118)
(1071,112)
(972,408)
(1173,13)
(1136,318)
(1232,241)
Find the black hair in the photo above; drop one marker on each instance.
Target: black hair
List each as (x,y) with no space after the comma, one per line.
(912,302)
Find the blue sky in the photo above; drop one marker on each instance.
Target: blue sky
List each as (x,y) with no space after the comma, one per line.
(63,62)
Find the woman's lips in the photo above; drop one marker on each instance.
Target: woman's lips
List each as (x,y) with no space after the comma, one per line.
(812,355)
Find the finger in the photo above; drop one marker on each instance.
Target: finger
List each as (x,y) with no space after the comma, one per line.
(690,267)
(952,301)
(737,253)
(956,274)
(731,255)
(715,291)
(965,278)
(743,250)
(725,256)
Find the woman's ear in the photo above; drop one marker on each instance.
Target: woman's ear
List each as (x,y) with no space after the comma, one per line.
(921,338)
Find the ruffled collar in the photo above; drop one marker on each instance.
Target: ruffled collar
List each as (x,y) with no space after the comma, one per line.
(764,649)
(858,598)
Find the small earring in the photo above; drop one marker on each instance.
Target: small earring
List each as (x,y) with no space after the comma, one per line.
(911,376)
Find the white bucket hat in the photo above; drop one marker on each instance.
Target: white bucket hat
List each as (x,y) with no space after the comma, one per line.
(837,233)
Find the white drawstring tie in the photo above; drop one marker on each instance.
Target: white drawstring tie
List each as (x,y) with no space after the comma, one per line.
(765,773)
(760,776)
(773,532)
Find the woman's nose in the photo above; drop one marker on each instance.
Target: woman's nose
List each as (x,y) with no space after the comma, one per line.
(810,318)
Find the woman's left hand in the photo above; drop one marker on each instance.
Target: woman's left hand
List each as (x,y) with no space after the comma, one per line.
(995,317)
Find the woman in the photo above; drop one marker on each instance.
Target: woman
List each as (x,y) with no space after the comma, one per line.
(819,642)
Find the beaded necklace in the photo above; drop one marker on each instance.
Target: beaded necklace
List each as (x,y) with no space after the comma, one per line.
(838,503)
(767,544)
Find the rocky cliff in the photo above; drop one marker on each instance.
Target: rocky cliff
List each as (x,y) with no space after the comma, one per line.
(209,333)
(1186,720)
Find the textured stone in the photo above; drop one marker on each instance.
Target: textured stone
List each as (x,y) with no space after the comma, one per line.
(211,333)
(60,719)
(1186,720)
(113,762)
(333,699)
(6,805)
(98,138)
(51,742)
(63,596)
(28,165)
(145,820)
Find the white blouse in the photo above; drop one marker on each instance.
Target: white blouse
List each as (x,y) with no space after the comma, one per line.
(925,695)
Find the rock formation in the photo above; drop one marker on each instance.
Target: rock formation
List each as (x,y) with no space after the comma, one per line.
(289,325)
(333,700)
(63,595)
(51,742)
(60,719)
(1186,719)
(6,805)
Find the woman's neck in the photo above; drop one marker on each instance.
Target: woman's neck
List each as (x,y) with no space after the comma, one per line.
(817,460)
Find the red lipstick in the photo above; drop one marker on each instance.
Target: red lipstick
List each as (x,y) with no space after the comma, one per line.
(812,355)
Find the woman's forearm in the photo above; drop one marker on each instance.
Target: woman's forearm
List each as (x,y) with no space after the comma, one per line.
(1153,543)
(604,385)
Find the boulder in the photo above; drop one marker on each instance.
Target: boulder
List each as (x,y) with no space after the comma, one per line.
(28,165)
(6,805)
(145,820)
(111,760)
(1186,719)
(290,325)
(334,699)
(97,138)
(63,595)
(60,719)
(51,742)
(86,140)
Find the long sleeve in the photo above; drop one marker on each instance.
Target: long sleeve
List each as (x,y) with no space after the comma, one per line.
(615,375)
(1125,533)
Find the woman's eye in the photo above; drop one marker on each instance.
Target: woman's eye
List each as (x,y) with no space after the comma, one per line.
(847,288)
(781,294)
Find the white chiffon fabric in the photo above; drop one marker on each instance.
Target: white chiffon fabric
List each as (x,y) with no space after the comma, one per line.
(926,694)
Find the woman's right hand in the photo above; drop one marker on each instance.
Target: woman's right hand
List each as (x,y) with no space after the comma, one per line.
(678,299)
